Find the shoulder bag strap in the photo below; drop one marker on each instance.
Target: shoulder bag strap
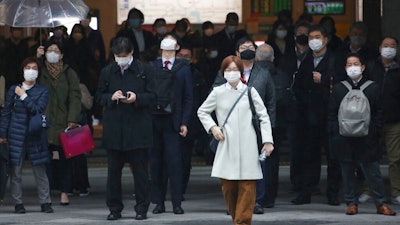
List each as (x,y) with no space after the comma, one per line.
(253,110)
(234,104)
(366,84)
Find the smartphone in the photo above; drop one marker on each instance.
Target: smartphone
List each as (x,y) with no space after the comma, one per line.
(122,97)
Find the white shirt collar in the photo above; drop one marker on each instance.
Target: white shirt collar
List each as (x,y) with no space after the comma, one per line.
(240,86)
(171,62)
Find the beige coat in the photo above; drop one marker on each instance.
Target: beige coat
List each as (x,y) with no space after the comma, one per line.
(237,155)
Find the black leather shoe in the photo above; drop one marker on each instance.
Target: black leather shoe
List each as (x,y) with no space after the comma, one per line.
(160,208)
(46,208)
(114,216)
(178,210)
(333,201)
(258,209)
(302,199)
(19,209)
(141,217)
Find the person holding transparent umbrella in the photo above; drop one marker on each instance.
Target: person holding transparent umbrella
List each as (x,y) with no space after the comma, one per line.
(62,111)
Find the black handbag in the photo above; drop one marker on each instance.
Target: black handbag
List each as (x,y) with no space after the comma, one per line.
(37,122)
(256,122)
(214,142)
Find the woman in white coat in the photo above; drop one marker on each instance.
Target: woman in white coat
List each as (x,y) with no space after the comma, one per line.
(236,161)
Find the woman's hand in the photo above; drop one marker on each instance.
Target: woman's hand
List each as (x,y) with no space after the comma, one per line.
(217,133)
(3,140)
(72,125)
(39,51)
(268,148)
(19,91)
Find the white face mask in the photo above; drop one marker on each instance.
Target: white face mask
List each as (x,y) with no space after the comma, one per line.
(388,53)
(168,44)
(52,57)
(30,74)
(122,61)
(353,71)
(315,44)
(281,34)
(232,76)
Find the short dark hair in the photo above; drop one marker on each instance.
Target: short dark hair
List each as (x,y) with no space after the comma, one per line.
(121,45)
(319,28)
(391,37)
(228,60)
(328,19)
(206,25)
(53,42)
(136,11)
(27,61)
(278,23)
(356,55)
(359,25)
(181,25)
(232,16)
(159,20)
(243,40)
(301,24)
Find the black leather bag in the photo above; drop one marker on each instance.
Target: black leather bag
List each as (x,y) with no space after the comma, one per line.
(213,144)
(256,122)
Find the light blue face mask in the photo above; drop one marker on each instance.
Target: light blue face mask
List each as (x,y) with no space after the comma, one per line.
(134,23)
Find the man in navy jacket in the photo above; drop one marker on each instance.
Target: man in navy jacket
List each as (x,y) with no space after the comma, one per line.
(166,156)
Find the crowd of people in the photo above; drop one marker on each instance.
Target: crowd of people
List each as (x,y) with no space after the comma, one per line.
(160,94)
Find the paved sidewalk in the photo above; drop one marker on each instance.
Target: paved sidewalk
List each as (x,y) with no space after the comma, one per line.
(203,205)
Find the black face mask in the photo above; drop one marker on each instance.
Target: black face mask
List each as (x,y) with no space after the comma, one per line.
(302,39)
(248,54)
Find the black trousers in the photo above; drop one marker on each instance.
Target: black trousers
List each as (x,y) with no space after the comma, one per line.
(59,171)
(166,162)
(138,160)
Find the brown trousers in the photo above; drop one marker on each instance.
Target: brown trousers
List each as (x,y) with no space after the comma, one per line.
(240,197)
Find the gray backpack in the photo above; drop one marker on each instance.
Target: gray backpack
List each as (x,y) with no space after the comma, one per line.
(354,112)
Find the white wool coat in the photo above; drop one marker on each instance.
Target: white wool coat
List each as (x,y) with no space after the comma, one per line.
(237,154)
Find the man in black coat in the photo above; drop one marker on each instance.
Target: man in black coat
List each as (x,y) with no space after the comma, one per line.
(142,40)
(312,87)
(125,91)
(228,37)
(385,70)
(362,151)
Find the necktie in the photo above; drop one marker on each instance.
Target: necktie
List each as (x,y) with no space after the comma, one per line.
(166,64)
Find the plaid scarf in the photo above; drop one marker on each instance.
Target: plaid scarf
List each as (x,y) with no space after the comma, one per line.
(54,68)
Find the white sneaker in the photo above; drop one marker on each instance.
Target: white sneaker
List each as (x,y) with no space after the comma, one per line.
(363,198)
(396,200)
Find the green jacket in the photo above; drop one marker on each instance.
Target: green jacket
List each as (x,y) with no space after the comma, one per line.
(65,101)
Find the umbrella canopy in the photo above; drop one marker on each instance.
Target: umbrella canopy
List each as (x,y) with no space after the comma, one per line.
(41,13)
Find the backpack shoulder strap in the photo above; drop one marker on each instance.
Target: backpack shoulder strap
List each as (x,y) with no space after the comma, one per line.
(347,85)
(366,84)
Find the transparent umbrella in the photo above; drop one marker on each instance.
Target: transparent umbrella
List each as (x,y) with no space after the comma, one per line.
(41,13)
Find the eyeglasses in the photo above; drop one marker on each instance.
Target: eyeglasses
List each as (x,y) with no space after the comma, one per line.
(245,47)
(53,50)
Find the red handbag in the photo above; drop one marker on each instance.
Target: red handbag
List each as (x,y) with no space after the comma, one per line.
(76,141)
